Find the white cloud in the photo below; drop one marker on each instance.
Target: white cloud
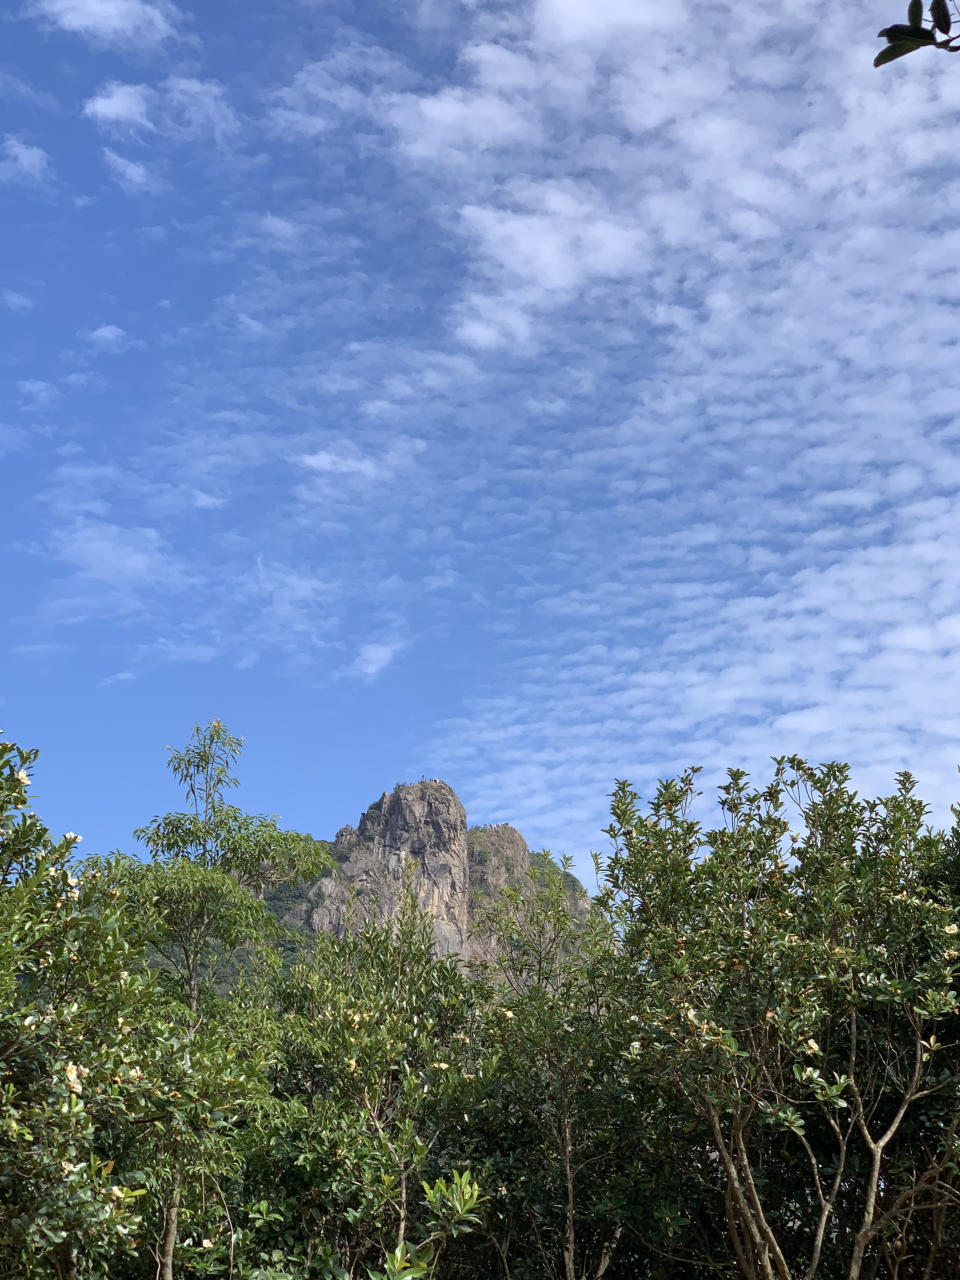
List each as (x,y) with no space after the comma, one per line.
(456,124)
(255,328)
(197,108)
(132,175)
(15,301)
(180,107)
(374,658)
(112,22)
(486,322)
(36,394)
(282,230)
(289,610)
(602,21)
(558,238)
(346,83)
(336,469)
(206,501)
(331,462)
(123,557)
(82,378)
(41,649)
(14,88)
(118,677)
(185,650)
(108,338)
(20,162)
(11,439)
(125,107)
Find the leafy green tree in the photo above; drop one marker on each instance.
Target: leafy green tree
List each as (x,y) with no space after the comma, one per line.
(560,1118)
(195,900)
(210,862)
(79,1017)
(795,995)
(377,1062)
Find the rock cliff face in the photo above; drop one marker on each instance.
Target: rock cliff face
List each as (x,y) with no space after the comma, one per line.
(499,859)
(418,834)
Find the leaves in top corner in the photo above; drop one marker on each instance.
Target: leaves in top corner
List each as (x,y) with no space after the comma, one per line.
(940,13)
(894,51)
(901,32)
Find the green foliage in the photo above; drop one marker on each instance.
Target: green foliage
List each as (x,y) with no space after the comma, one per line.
(795,991)
(451,1212)
(542,872)
(376,1048)
(940,14)
(556,1027)
(211,834)
(87,1059)
(744,1058)
(195,900)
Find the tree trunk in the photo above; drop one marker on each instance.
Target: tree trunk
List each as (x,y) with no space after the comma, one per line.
(64,1261)
(402,1231)
(168,1241)
(606,1257)
(569,1237)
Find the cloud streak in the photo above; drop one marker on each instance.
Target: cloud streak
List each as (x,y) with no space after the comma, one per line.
(133,176)
(21,162)
(137,23)
(181,107)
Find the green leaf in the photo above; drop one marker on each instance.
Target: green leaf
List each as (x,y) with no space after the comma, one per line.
(901,32)
(894,51)
(940,13)
(915,13)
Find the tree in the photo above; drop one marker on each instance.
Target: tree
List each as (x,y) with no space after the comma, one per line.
(794,995)
(210,862)
(376,1063)
(81,1027)
(559,1118)
(195,900)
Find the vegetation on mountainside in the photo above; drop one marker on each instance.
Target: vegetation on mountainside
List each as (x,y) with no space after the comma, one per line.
(742,1059)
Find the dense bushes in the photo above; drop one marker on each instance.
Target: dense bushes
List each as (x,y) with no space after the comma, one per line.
(743,1061)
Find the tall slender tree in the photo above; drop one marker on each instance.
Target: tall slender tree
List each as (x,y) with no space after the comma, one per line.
(197,898)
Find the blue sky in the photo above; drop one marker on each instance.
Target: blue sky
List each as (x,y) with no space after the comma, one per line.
(527,395)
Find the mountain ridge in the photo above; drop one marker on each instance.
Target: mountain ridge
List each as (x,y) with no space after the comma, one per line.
(417,836)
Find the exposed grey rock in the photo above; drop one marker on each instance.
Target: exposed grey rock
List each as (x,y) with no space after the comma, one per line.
(418,834)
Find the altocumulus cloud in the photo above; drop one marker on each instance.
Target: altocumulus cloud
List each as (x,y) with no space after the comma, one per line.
(112,22)
(373,658)
(133,176)
(604,353)
(22,162)
(180,107)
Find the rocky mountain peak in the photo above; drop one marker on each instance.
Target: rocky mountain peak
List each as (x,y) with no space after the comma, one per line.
(418,834)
